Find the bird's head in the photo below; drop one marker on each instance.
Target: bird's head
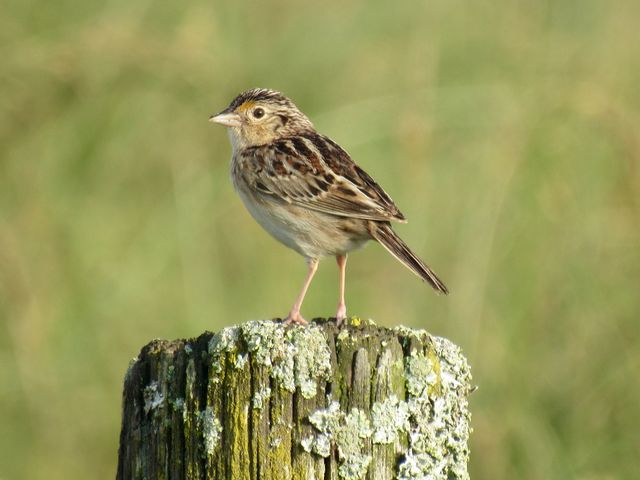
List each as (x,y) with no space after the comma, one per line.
(259,116)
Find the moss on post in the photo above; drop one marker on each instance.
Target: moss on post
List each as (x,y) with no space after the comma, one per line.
(264,401)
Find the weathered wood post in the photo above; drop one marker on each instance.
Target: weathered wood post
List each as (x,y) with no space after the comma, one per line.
(264,401)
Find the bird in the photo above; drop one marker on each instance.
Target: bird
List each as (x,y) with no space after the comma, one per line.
(307,192)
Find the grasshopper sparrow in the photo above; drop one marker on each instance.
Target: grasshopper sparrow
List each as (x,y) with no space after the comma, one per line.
(306,191)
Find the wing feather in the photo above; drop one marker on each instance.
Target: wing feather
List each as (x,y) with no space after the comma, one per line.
(314,172)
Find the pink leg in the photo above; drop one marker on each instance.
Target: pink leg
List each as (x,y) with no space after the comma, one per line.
(294,315)
(342,307)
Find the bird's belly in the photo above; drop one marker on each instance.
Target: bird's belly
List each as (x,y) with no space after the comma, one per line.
(312,234)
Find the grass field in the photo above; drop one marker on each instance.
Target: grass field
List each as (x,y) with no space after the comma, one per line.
(508,132)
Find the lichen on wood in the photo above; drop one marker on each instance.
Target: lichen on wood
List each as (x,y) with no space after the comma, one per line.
(268,401)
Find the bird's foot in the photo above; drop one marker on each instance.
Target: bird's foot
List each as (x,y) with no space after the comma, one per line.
(296,318)
(341,314)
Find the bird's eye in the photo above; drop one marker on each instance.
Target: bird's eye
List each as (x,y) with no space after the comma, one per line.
(258,112)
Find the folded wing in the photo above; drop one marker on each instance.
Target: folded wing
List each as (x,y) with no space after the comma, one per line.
(314,172)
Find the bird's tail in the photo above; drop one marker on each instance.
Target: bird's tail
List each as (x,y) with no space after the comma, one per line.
(384,234)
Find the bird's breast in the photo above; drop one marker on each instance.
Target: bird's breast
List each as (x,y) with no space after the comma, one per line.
(311,233)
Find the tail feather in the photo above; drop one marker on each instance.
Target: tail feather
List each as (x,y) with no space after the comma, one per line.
(384,234)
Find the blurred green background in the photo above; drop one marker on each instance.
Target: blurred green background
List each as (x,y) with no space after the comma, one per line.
(506,131)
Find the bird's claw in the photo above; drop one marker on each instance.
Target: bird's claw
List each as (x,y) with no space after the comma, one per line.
(295,318)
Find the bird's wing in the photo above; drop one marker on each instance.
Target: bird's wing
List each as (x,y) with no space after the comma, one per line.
(314,172)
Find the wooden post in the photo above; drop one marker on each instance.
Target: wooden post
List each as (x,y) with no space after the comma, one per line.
(264,401)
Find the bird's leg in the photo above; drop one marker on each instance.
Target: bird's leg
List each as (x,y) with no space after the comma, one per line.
(294,315)
(341,314)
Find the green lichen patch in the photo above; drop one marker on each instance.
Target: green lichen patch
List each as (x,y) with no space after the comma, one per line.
(211,429)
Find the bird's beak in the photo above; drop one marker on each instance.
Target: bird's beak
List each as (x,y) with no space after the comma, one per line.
(228,119)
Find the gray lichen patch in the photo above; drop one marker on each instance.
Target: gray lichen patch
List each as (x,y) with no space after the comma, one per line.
(241,361)
(211,430)
(312,358)
(153,397)
(346,432)
(354,463)
(327,421)
(354,467)
(438,386)
(423,375)
(177,404)
(295,356)
(389,418)
(343,335)
(250,402)
(266,340)
(457,373)
(435,418)
(225,341)
(408,332)
(261,398)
